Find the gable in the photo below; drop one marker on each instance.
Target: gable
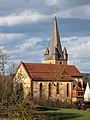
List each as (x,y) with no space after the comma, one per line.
(19,70)
(21,74)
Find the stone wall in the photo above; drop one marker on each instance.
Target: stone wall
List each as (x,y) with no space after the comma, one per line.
(45,90)
(33,87)
(55,62)
(22,77)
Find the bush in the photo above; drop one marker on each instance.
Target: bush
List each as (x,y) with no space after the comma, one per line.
(19,109)
(5,87)
(53,103)
(13,105)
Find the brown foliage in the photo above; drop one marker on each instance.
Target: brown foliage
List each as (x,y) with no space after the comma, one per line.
(53,103)
(15,107)
(5,87)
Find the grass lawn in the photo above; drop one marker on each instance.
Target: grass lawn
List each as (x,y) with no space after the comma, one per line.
(68,114)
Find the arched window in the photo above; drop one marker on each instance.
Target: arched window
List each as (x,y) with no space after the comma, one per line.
(50,89)
(21,87)
(41,90)
(58,88)
(68,89)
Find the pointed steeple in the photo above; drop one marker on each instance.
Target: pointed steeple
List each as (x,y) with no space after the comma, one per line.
(55,40)
(55,55)
(46,54)
(47,51)
(65,54)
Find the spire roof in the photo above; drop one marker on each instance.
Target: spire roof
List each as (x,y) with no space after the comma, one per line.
(55,40)
(55,55)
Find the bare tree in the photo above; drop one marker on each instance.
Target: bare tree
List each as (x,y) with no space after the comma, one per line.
(3,61)
(12,68)
(5,87)
(60,74)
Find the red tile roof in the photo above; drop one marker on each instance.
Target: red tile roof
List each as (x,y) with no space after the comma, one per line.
(49,71)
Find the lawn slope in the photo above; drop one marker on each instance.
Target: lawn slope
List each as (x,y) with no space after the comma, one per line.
(68,114)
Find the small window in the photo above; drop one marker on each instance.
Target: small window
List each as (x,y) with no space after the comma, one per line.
(68,90)
(50,89)
(40,90)
(21,86)
(60,62)
(80,93)
(58,89)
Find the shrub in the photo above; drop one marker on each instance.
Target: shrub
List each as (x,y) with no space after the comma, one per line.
(5,87)
(13,105)
(53,103)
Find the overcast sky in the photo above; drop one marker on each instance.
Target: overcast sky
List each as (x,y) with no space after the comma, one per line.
(26,28)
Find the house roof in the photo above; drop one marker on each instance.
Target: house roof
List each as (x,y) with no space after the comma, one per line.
(51,71)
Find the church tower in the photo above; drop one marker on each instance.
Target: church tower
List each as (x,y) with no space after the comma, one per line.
(55,55)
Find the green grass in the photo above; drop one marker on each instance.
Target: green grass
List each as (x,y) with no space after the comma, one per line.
(68,114)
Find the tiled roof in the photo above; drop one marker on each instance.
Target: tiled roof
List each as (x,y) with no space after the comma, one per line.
(50,71)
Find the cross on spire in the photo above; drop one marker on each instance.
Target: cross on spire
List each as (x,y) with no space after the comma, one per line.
(54,8)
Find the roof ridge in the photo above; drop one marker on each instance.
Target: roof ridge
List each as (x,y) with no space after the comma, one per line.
(48,64)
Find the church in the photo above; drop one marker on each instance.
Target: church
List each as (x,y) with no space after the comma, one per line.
(53,79)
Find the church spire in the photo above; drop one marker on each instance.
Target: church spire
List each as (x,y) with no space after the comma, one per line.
(55,54)
(55,40)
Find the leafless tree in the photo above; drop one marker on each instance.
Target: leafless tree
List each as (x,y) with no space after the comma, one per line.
(60,74)
(12,68)
(3,61)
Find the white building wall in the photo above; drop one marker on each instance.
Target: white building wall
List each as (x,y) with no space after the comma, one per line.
(87,93)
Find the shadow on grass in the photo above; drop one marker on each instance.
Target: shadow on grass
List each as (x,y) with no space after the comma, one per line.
(63,116)
(46,108)
(57,115)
